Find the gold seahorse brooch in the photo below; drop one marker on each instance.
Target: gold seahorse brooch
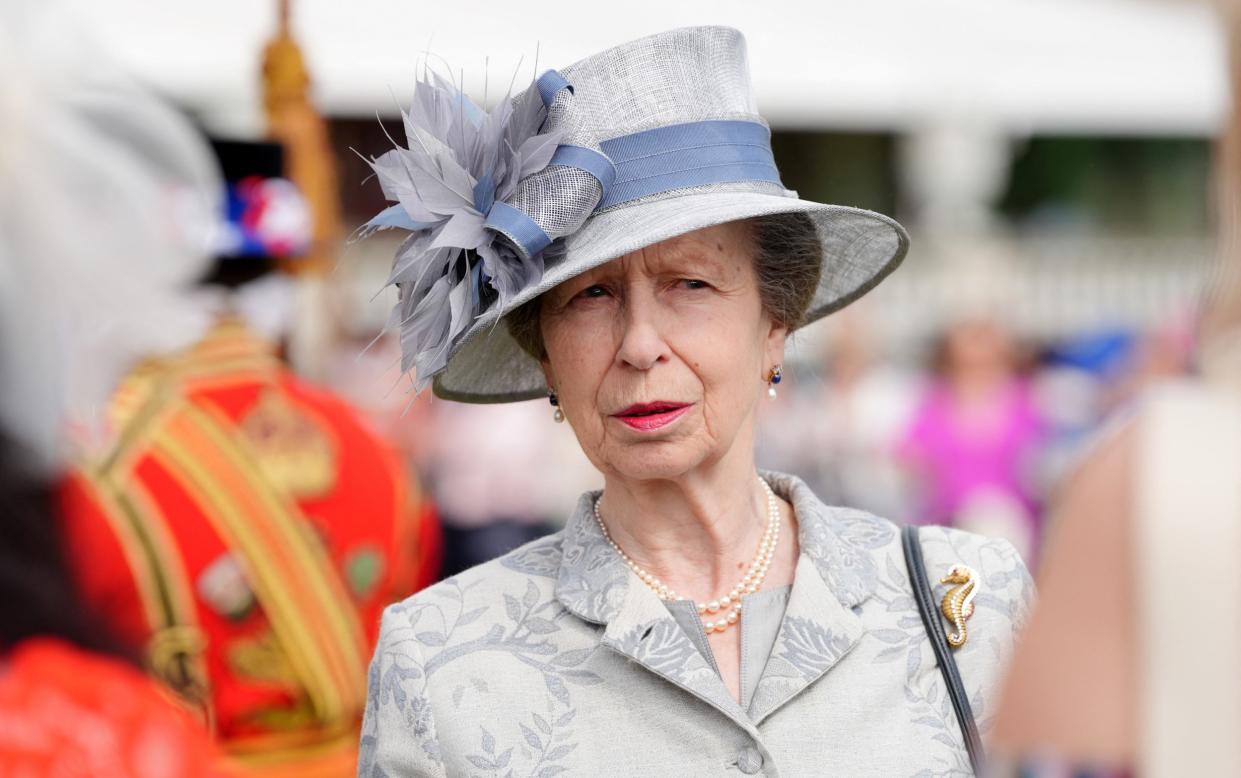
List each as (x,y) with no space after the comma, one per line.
(958,604)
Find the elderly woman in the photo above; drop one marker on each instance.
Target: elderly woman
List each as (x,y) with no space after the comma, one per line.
(623,246)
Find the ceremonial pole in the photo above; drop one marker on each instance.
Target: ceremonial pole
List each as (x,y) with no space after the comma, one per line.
(294,122)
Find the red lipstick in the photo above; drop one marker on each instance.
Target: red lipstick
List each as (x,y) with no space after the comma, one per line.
(647,417)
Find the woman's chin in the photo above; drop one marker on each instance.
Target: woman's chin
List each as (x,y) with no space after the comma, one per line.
(655,460)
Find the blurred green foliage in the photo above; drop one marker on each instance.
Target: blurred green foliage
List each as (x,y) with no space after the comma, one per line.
(1143,185)
(843,168)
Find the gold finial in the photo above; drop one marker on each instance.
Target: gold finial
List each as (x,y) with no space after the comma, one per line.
(293,121)
(286,81)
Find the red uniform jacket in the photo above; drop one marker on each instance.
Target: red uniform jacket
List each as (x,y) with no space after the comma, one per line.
(246,530)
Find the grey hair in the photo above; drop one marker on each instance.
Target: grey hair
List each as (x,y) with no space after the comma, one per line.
(788,260)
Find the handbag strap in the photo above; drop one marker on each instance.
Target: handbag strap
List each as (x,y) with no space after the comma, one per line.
(939,642)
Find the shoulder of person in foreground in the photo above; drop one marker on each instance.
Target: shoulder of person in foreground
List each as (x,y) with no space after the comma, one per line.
(462,614)
(1071,693)
(62,707)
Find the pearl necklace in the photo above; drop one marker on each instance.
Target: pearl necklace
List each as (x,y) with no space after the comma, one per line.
(730,603)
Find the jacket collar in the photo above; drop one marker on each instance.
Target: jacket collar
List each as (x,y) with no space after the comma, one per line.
(836,571)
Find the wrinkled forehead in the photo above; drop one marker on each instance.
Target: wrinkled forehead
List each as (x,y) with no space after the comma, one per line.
(724,249)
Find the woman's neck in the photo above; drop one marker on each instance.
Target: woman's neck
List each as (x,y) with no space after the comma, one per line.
(696,533)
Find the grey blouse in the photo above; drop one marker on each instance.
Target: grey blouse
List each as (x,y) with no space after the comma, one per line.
(764,612)
(557,660)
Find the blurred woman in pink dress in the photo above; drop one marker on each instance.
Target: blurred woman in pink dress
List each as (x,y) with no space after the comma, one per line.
(973,441)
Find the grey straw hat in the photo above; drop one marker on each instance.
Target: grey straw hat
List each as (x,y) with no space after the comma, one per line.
(640,143)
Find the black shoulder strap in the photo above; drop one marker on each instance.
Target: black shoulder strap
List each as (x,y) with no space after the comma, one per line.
(943,655)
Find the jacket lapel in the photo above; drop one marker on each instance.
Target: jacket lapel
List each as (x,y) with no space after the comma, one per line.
(836,571)
(817,631)
(596,585)
(646,633)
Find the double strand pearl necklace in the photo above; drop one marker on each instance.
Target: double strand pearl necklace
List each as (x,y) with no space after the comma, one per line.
(729,606)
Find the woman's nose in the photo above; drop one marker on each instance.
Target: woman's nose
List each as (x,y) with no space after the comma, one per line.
(642,343)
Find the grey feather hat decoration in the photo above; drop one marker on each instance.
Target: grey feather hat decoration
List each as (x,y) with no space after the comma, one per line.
(638,144)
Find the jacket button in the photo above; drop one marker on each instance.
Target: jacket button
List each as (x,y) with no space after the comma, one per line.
(749,761)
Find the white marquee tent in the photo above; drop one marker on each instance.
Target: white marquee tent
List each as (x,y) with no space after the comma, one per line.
(1094,66)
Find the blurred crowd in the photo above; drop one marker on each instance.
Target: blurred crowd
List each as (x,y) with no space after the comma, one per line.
(976,431)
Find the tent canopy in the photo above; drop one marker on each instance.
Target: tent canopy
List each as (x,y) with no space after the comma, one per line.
(1024,66)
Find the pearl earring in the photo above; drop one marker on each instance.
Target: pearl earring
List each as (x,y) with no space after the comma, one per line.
(552,398)
(773,378)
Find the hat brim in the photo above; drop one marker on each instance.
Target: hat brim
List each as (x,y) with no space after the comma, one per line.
(860,248)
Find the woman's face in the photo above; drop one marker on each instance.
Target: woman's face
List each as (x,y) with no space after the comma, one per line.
(659,357)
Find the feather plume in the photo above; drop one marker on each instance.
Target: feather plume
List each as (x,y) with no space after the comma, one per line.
(457,162)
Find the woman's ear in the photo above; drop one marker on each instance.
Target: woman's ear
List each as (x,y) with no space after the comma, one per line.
(548,375)
(777,337)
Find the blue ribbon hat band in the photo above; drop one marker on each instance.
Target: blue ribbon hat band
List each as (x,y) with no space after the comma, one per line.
(655,161)
(681,156)
(520,228)
(589,160)
(549,85)
(598,165)
(664,159)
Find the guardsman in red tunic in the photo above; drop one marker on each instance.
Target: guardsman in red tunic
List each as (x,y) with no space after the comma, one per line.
(246,528)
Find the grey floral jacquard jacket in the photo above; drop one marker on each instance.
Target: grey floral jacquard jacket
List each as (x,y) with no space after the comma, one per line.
(556,660)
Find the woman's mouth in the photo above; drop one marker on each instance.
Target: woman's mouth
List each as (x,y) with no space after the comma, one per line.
(646,417)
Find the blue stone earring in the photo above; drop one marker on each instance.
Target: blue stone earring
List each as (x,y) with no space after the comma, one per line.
(558,416)
(773,378)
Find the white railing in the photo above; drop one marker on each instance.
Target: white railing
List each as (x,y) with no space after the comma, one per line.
(1048,287)
(1045,287)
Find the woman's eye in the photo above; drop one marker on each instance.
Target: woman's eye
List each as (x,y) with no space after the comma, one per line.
(694,283)
(593,291)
